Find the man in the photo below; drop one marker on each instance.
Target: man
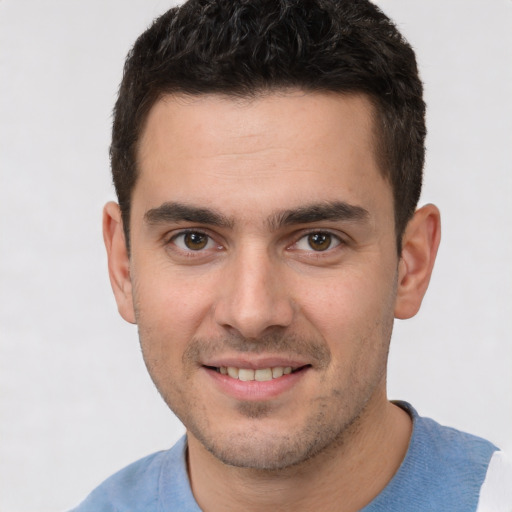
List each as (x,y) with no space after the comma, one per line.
(267,157)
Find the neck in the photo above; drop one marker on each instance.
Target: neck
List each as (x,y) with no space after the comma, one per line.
(343,477)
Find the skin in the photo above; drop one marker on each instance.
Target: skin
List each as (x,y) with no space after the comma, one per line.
(262,186)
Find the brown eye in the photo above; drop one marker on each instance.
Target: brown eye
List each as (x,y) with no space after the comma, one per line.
(193,241)
(319,241)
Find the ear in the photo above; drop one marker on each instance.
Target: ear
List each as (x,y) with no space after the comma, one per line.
(118,260)
(419,248)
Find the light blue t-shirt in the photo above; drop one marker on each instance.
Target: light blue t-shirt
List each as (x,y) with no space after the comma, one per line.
(443,470)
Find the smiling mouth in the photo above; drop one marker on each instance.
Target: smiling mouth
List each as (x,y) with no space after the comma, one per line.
(259,375)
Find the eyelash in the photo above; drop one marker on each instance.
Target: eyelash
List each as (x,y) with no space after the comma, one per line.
(189,251)
(333,239)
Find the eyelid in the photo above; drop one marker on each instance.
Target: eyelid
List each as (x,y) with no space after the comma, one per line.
(171,239)
(305,233)
(295,239)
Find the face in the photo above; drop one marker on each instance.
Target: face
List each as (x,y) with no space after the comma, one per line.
(263,271)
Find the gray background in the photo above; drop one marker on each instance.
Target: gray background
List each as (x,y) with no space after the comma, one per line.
(75,401)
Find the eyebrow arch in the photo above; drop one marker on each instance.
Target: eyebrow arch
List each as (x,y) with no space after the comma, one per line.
(179,212)
(317,212)
(331,210)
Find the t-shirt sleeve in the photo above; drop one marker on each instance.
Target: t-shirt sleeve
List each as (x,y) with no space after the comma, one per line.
(496,491)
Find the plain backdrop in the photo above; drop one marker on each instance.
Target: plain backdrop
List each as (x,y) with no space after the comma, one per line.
(75,401)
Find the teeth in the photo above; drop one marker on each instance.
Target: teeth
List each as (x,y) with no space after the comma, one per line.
(261,375)
(232,372)
(277,372)
(245,375)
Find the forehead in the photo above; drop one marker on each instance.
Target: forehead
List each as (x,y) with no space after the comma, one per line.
(292,146)
(229,122)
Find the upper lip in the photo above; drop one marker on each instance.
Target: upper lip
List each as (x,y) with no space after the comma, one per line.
(255,362)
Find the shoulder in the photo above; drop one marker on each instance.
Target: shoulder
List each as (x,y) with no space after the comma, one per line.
(448,448)
(444,469)
(138,487)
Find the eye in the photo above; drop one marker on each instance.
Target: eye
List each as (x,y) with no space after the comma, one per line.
(193,241)
(318,241)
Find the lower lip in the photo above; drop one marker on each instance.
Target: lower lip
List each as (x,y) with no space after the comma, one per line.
(254,390)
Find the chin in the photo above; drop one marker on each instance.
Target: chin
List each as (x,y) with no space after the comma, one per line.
(267,455)
(267,449)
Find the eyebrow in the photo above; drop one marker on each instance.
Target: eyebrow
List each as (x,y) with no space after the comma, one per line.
(307,214)
(179,212)
(317,212)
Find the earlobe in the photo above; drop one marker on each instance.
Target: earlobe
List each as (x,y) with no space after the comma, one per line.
(419,249)
(118,260)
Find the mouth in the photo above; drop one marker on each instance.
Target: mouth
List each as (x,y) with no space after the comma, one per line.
(259,375)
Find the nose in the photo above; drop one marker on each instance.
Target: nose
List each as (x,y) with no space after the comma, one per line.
(254,297)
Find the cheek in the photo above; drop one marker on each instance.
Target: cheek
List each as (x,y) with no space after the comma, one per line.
(350,298)
(171,303)
(167,319)
(356,324)
(354,314)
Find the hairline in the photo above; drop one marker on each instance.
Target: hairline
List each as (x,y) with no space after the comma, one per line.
(247,96)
